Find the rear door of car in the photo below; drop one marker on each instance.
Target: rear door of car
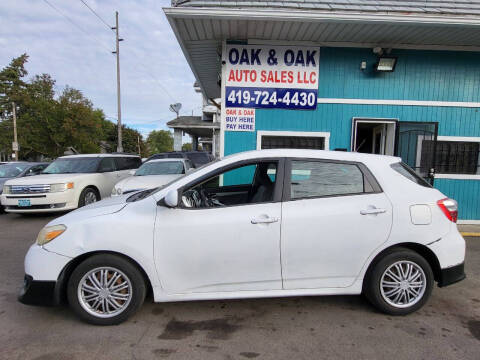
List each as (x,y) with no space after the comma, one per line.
(125,165)
(108,169)
(334,214)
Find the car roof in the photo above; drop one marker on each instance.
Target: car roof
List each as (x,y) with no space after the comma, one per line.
(96,156)
(316,154)
(168,160)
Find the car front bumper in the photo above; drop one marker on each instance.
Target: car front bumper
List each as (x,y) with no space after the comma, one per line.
(44,272)
(452,275)
(48,202)
(43,293)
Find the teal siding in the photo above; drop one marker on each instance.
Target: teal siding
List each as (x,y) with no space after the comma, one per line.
(467,194)
(419,75)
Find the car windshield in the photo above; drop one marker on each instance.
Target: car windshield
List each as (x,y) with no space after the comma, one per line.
(11,170)
(72,166)
(160,168)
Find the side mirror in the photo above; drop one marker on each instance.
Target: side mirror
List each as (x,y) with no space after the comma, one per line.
(171,199)
(132,172)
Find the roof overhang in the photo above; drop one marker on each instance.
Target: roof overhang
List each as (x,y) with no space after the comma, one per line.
(200,32)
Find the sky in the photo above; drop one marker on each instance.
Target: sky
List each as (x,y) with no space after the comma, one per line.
(75,49)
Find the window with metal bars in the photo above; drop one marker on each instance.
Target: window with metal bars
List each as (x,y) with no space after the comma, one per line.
(293,142)
(454,157)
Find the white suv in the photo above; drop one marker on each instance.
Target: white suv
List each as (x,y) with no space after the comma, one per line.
(256,224)
(67,183)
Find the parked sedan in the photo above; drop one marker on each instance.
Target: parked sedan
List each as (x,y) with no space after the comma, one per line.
(256,224)
(17,170)
(153,174)
(67,183)
(197,158)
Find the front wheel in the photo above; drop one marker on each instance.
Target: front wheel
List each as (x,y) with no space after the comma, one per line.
(106,289)
(400,283)
(88,196)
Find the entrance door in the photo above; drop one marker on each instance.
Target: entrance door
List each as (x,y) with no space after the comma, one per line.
(416,145)
(373,136)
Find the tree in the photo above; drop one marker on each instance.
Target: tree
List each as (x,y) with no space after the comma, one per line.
(130,138)
(159,141)
(187,147)
(48,122)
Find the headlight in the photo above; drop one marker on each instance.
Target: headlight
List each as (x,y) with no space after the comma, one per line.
(61,187)
(117,191)
(7,189)
(48,233)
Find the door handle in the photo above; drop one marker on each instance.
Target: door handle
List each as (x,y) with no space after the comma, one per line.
(264,220)
(372,211)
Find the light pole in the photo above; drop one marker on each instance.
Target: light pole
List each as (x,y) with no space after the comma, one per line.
(119,108)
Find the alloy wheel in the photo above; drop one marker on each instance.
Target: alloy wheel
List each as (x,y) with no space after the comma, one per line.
(104,292)
(90,198)
(403,284)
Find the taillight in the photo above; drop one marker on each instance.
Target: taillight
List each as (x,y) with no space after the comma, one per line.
(450,208)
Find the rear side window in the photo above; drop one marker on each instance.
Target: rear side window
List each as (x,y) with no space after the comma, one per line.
(311,179)
(127,163)
(107,165)
(409,173)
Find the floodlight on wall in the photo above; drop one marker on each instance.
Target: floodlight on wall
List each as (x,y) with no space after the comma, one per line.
(386,64)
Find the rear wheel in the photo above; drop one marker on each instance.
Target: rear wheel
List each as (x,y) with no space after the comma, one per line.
(400,283)
(106,289)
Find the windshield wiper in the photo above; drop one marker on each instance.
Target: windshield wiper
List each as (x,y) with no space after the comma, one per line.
(140,195)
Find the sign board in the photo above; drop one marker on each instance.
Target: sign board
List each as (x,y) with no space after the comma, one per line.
(15,146)
(262,76)
(240,119)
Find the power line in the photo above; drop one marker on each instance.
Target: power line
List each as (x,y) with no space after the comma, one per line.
(76,25)
(98,16)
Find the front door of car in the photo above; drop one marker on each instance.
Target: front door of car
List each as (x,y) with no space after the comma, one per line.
(333,217)
(206,245)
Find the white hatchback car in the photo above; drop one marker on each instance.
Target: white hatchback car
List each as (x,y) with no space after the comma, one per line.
(152,174)
(256,224)
(67,183)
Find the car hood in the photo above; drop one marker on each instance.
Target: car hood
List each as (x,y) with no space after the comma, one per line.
(45,179)
(145,182)
(104,207)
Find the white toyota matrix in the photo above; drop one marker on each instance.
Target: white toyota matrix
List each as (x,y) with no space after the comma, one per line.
(256,224)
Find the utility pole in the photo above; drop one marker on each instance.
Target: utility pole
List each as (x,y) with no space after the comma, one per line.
(139,150)
(119,108)
(15,142)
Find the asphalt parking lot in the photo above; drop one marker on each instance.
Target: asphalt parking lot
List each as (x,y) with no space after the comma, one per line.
(448,327)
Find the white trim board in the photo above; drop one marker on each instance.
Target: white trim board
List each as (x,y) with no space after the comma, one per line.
(261,133)
(458,176)
(468,222)
(459,138)
(463,104)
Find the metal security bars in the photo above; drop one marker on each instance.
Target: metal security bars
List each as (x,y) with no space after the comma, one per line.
(454,157)
(293,142)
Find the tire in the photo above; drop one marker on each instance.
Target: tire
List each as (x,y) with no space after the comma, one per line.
(398,296)
(83,300)
(87,195)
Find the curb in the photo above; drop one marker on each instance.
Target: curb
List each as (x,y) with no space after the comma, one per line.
(470,234)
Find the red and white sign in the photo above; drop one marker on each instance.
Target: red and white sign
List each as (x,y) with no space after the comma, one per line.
(240,119)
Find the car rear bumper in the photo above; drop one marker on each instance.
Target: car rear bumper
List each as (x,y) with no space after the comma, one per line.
(39,292)
(452,275)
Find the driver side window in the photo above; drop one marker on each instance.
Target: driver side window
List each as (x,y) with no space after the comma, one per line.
(247,184)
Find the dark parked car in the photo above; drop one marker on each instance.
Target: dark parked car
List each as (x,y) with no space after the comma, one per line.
(198,158)
(19,169)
